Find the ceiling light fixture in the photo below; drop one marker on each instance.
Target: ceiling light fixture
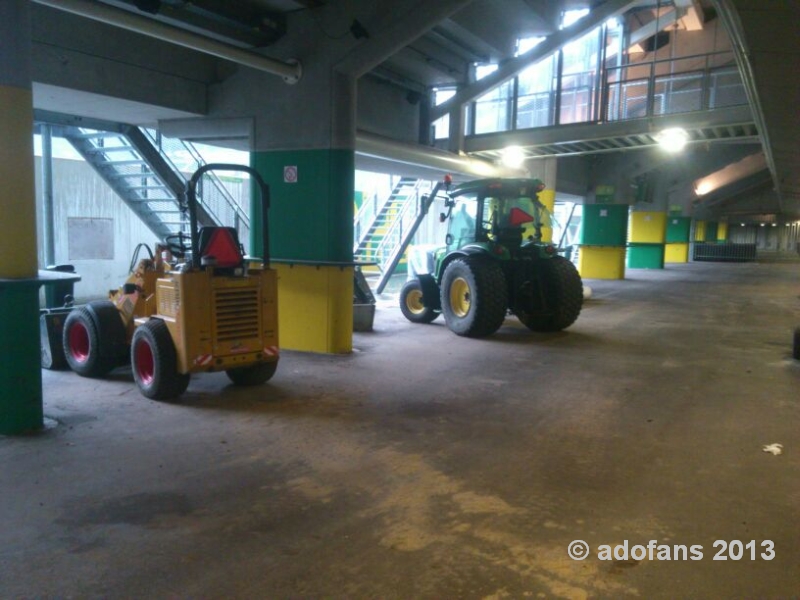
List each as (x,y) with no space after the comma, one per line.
(673,139)
(513,157)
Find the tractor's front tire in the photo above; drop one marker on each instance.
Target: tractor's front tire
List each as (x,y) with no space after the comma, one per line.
(412,306)
(252,375)
(563,291)
(474,296)
(155,362)
(94,339)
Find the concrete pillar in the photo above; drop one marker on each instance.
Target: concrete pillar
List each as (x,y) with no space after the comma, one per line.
(647,236)
(677,247)
(309,165)
(20,374)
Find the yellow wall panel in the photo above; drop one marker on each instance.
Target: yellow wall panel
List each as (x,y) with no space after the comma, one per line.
(676,253)
(699,231)
(602,262)
(315,308)
(18,256)
(647,227)
(548,198)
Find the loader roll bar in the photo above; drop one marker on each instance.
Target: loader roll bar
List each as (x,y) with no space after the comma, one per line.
(191,200)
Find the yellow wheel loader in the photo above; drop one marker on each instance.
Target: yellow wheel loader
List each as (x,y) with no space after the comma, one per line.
(196,305)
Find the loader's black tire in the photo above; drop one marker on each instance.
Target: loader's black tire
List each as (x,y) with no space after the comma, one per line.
(252,375)
(474,296)
(113,337)
(155,362)
(93,336)
(796,344)
(411,303)
(563,290)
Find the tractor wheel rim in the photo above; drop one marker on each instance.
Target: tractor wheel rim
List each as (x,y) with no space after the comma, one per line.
(414,302)
(79,345)
(460,300)
(145,363)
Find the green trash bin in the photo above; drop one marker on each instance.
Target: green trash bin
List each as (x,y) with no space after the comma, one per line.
(54,293)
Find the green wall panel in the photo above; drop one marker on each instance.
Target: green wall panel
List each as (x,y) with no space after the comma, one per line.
(310,218)
(678,229)
(711,231)
(604,225)
(20,370)
(645,256)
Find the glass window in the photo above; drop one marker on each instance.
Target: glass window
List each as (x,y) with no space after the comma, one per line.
(441,127)
(578,80)
(493,109)
(535,98)
(461,226)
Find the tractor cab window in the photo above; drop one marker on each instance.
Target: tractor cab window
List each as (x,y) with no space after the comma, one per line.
(461,228)
(520,218)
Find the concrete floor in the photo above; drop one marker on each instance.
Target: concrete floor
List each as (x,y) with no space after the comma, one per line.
(428,466)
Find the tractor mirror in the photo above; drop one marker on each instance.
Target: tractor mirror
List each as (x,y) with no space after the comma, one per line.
(448,239)
(442,217)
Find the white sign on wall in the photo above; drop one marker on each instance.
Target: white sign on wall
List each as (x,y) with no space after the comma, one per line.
(290,174)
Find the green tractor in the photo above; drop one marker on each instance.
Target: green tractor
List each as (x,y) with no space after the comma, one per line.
(494,262)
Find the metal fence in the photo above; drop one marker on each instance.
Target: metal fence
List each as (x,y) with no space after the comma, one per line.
(711,252)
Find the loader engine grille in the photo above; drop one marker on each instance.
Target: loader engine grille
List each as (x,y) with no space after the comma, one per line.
(236,314)
(169,298)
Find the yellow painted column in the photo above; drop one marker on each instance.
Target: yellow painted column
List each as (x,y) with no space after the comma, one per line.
(722,232)
(647,236)
(20,374)
(548,198)
(699,231)
(315,307)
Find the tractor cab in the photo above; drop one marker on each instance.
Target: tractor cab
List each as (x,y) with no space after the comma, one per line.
(504,213)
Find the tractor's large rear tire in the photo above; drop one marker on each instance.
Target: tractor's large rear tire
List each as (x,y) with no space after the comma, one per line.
(94,339)
(796,344)
(252,375)
(474,296)
(155,362)
(563,291)
(411,303)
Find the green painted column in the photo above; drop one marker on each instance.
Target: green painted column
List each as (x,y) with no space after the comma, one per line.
(311,221)
(20,374)
(312,200)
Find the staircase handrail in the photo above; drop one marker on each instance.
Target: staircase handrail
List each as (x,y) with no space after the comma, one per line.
(401,223)
(369,211)
(240,216)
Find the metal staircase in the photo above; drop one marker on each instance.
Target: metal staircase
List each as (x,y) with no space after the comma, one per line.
(391,228)
(135,164)
(405,193)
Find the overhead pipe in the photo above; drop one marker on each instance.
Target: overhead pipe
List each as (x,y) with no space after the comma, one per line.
(369,144)
(291,71)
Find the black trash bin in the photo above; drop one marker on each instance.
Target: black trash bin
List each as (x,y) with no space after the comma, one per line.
(54,293)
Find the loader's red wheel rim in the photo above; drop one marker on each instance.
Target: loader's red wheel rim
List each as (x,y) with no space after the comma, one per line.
(79,342)
(145,363)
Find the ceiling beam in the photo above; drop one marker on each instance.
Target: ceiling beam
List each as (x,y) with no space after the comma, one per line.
(607,10)
(560,134)
(733,24)
(291,72)
(404,29)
